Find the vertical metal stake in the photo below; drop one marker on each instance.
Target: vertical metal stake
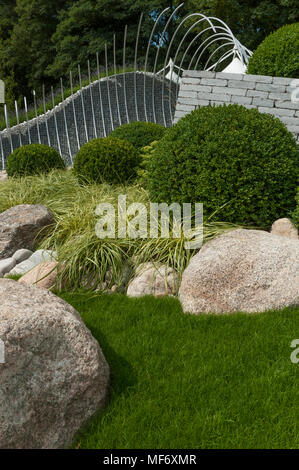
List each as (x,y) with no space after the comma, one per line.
(46,120)
(83,105)
(74,111)
(108,87)
(91,99)
(18,122)
(55,120)
(8,127)
(124,74)
(100,93)
(36,116)
(65,122)
(26,112)
(116,82)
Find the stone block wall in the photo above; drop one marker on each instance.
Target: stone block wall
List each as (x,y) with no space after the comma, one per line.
(272,95)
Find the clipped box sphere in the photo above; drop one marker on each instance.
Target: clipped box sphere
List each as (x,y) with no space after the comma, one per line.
(33,159)
(239,163)
(107,160)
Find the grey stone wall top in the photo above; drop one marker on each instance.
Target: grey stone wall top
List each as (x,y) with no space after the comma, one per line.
(272,95)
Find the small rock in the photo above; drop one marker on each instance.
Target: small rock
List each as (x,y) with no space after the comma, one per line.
(284,228)
(40,256)
(153,280)
(22,255)
(6,265)
(3,175)
(20,226)
(44,275)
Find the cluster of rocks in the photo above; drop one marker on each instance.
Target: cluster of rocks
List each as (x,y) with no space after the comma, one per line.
(53,373)
(55,376)
(20,228)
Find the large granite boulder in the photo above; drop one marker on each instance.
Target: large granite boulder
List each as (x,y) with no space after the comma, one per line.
(55,376)
(152,279)
(20,225)
(242,270)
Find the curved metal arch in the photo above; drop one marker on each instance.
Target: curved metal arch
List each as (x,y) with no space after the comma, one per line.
(220,47)
(167,57)
(186,51)
(210,41)
(146,58)
(157,55)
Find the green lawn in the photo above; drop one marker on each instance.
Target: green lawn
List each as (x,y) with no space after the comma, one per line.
(183,381)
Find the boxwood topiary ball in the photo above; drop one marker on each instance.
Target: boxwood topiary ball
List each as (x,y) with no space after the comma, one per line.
(140,133)
(277,55)
(33,159)
(109,160)
(236,161)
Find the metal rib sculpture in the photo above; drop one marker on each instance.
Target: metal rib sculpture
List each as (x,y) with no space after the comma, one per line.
(144,94)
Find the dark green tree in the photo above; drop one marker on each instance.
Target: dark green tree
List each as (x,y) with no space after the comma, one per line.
(28,50)
(250,20)
(87,25)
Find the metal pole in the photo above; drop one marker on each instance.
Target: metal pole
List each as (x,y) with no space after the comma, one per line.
(124,74)
(74,111)
(156,58)
(55,120)
(135,66)
(116,82)
(100,94)
(167,58)
(18,122)
(26,112)
(8,126)
(65,122)
(83,105)
(2,152)
(91,99)
(146,59)
(36,116)
(46,120)
(108,87)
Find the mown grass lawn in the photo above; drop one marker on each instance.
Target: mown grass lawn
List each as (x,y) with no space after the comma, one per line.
(183,381)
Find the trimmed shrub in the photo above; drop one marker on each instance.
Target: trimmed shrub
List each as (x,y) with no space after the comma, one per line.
(33,159)
(145,155)
(238,162)
(139,134)
(277,55)
(108,160)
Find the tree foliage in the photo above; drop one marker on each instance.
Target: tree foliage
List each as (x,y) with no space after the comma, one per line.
(43,39)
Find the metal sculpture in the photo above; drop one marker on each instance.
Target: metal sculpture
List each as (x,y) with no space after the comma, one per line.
(145,94)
